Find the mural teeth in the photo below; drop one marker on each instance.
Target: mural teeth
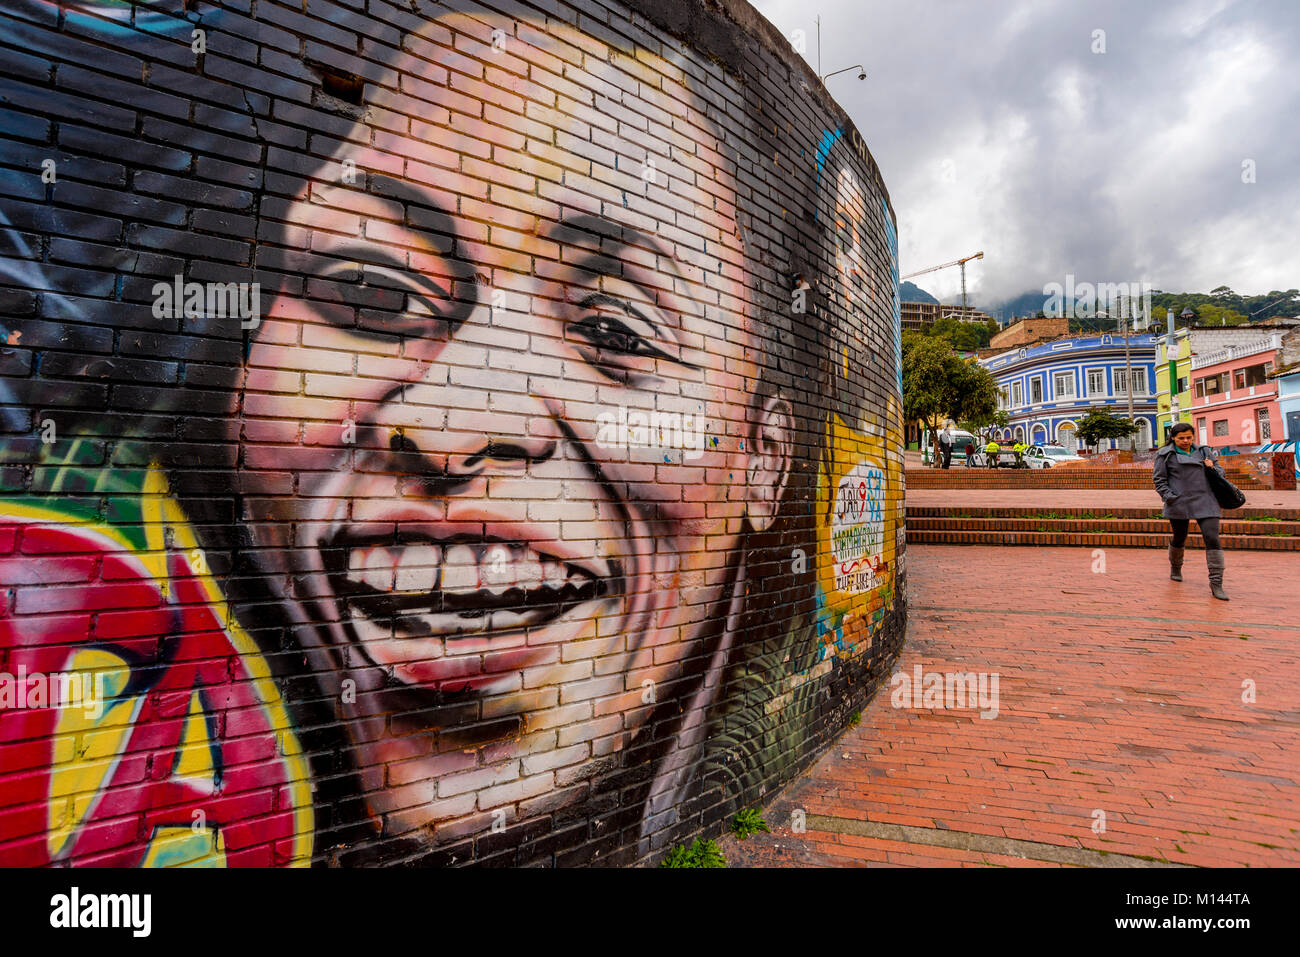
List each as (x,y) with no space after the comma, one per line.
(372,567)
(553,574)
(460,571)
(498,570)
(530,570)
(418,570)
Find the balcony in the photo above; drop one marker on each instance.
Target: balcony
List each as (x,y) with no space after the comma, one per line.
(1233,353)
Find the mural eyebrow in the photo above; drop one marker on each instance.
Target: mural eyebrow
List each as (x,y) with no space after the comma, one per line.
(587,229)
(369,255)
(418,209)
(420,213)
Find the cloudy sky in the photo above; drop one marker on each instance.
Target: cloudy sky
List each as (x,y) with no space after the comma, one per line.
(998,128)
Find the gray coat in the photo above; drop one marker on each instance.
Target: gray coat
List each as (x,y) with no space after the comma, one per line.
(1181,482)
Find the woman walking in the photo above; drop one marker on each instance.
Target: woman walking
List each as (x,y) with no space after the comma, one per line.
(1179,476)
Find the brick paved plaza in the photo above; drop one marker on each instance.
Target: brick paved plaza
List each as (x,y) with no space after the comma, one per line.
(1120,692)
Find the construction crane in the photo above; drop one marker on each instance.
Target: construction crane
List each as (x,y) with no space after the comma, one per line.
(956,262)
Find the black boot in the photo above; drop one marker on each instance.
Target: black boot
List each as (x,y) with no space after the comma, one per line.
(1215,563)
(1175,563)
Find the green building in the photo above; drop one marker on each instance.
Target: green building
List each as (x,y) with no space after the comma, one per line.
(1183,371)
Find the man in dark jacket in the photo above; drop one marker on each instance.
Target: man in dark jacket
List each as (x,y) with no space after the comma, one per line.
(1179,475)
(945,445)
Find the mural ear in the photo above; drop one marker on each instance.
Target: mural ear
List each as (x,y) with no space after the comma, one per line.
(769,462)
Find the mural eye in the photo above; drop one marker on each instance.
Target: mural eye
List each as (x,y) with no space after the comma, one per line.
(608,333)
(381,303)
(628,335)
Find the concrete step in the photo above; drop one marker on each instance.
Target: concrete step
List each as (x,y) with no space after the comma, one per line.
(1066,512)
(976,536)
(1254,529)
(1153,526)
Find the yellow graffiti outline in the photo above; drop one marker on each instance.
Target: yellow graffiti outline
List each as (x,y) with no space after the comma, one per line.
(160,511)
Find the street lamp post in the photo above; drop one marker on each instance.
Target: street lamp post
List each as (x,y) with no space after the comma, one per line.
(1128,380)
(862,73)
(1170,355)
(1187,316)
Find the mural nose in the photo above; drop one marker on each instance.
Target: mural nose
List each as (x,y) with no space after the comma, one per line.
(463,457)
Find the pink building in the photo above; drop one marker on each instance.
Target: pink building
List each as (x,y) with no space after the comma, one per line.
(1234,403)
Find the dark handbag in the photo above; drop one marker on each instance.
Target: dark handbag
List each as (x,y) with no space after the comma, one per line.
(1227,494)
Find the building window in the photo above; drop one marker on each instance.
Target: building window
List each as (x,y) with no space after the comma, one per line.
(1139,381)
(1220,427)
(1182,384)
(1212,385)
(1036,390)
(1251,375)
(1063,385)
(1096,382)
(1017,394)
(1265,427)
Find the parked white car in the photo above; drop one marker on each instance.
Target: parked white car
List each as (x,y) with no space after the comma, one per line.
(1036,457)
(1045,456)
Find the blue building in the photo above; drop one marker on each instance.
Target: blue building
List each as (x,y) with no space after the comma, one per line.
(1047,388)
(1288,400)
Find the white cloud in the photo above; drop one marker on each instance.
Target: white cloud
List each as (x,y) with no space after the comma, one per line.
(1114,167)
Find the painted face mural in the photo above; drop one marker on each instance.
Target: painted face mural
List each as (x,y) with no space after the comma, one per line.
(541,403)
(511,503)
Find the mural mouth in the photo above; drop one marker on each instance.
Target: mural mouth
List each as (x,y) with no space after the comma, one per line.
(422,586)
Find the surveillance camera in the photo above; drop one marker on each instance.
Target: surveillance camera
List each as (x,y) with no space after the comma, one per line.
(862,75)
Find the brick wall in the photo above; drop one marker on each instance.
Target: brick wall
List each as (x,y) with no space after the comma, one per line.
(432,433)
(1207,339)
(1289,354)
(1030,330)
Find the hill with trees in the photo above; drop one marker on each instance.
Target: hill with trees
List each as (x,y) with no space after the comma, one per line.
(1220,306)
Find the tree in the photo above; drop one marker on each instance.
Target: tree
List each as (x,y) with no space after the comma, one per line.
(1260,308)
(963,336)
(974,393)
(1213,315)
(994,423)
(1098,424)
(1271,305)
(940,385)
